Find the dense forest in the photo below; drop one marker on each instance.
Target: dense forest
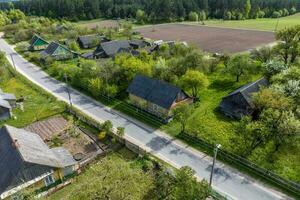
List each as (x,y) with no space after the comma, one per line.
(156,10)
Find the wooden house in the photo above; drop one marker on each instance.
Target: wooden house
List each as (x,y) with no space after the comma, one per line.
(110,49)
(37,43)
(58,52)
(155,96)
(239,102)
(26,161)
(91,41)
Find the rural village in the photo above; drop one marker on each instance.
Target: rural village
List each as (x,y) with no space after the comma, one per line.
(124,101)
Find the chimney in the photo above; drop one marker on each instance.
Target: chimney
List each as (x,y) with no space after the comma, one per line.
(15,144)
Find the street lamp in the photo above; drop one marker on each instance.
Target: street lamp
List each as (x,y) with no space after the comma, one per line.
(68,91)
(217,147)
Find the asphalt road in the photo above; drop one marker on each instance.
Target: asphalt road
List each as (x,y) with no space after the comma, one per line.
(227,180)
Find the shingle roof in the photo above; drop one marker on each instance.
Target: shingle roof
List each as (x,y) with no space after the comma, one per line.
(158,92)
(113,47)
(249,89)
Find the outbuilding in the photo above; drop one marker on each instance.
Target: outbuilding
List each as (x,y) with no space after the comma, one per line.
(239,102)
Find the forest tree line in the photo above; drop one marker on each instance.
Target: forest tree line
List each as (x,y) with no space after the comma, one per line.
(155,10)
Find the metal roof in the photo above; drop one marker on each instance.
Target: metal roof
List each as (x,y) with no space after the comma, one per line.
(5,104)
(64,156)
(155,91)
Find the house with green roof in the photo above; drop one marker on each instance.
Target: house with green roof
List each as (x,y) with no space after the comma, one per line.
(37,43)
(58,52)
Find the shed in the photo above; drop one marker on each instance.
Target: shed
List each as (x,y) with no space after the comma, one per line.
(58,52)
(37,43)
(239,103)
(156,96)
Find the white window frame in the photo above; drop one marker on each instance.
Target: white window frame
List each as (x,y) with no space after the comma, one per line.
(49,180)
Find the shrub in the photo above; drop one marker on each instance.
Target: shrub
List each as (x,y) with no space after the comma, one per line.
(261,14)
(285,12)
(227,15)
(274,67)
(102,135)
(276,14)
(193,16)
(293,10)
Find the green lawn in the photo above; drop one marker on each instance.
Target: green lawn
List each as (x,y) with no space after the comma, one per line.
(266,24)
(117,176)
(206,121)
(37,105)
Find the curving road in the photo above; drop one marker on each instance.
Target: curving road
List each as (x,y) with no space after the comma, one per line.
(227,180)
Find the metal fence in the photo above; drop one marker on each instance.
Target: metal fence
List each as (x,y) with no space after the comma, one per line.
(246,164)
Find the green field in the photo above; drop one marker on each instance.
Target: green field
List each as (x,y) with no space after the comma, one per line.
(265,24)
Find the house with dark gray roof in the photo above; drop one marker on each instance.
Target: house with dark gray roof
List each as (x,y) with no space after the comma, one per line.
(7,103)
(58,52)
(155,96)
(139,43)
(239,102)
(37,43)
(90,41)
(110,49)
(27,161)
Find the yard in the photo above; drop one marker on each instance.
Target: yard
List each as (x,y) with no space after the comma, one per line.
(101,177)
(211,39)
(37,104)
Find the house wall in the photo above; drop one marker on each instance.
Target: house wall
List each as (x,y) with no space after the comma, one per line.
(148,106)
(39,47)
(62,54)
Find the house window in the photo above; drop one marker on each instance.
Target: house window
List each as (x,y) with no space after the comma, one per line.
(49,180)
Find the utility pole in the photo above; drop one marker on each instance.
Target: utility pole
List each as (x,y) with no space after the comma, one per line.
(218,146)
(68,91)
(13,61)
(276,27)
